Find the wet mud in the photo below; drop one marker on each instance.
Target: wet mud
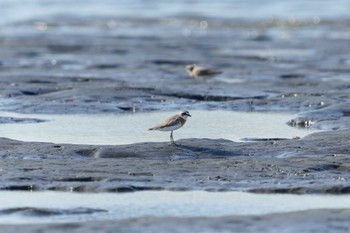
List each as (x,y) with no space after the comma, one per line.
(300,166)
(113,71)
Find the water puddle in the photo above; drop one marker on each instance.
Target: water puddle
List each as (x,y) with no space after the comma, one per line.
(50,207)
(112,129)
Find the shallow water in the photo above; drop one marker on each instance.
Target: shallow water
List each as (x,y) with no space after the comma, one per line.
(156,203)
(111,129)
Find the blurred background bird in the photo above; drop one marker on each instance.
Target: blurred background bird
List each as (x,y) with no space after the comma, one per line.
(201,73)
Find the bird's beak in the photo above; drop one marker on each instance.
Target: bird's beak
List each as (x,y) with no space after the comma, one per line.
(189,115)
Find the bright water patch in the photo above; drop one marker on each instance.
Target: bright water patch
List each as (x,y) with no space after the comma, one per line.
(112,129)
(159,204)
(253,9)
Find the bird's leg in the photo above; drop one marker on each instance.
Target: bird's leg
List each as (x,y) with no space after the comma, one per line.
(172,138)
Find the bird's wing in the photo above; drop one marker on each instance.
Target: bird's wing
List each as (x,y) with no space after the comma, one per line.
(172,121)
(208,72)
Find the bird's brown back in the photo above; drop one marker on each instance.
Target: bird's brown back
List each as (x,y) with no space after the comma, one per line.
(172,121)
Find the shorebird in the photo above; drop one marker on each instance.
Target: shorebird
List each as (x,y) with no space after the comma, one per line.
(173,123)
(201,73)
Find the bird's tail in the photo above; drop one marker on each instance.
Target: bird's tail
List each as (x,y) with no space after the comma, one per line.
(151,128)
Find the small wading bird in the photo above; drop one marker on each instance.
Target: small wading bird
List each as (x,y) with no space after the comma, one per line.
(201,73)
(173,123)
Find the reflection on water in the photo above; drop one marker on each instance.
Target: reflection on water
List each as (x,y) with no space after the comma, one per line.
(71,207)
(110,129)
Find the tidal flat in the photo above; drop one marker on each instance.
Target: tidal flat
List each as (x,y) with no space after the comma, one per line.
(72,77)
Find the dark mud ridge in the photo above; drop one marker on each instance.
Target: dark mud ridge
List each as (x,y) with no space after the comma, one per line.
(318,163)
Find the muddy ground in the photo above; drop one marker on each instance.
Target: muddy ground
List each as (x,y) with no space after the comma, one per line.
(309,165)
(100,65)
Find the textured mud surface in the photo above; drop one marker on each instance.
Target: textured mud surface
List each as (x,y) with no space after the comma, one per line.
(108,63)
(268,66)
(309,165)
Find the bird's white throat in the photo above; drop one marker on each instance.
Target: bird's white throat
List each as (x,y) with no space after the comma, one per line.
(184,117)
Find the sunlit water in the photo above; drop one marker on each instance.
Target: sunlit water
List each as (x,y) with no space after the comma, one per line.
(28,9)
(112,129)
(161,203)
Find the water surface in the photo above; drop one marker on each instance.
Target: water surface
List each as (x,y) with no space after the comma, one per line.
(112,129)
(15,10)
(158,203)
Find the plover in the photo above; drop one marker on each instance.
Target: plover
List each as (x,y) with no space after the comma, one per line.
(201,73)
(173,123)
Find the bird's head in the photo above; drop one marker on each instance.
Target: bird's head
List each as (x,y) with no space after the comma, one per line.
(184,114)
(190,68)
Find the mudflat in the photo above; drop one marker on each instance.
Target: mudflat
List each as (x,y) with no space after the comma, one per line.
(111,64)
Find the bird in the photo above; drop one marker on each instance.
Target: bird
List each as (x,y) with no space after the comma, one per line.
(173,123)
(201,73)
